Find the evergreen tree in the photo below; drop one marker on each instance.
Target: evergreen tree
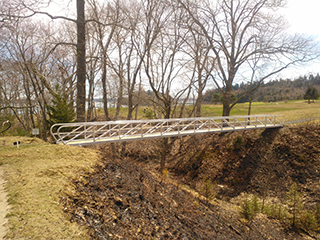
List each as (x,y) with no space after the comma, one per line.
(216,98)
(311,93)
(61,111)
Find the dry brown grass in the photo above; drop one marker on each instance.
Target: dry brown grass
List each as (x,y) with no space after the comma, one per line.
(37,175)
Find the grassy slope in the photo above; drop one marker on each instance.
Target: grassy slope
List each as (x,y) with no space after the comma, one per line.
(36,174)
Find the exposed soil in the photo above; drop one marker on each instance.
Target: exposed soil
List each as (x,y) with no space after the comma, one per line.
(128,199)
(255,162)
(123,201)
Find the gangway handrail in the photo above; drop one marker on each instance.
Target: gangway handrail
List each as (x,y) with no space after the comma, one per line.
(86,133)
(154,128)
(172,126)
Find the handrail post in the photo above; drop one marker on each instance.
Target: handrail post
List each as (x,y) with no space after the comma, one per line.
(91,133)
(265,121)
(94,134)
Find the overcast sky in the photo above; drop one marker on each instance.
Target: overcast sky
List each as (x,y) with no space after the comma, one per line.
(303,16)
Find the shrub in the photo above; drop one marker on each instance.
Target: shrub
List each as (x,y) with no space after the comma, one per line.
(276,210)
(317,214)
(207,189)
(255,204)
(250,207)
(294,202)
(308,221)
(148,113)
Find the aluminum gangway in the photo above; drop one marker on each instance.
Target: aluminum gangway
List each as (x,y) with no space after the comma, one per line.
(87,133)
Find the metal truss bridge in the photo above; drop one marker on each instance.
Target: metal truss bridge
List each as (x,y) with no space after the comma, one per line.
(87,133)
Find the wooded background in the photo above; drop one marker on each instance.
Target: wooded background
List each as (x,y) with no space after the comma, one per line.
(161,54)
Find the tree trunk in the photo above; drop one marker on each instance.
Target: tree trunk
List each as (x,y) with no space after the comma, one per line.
(130,106)
(198,105)
(227,98)
(249,109)
(81,62)
(167,108)
(104,89)
(226,109)
(120,97)
(91,104)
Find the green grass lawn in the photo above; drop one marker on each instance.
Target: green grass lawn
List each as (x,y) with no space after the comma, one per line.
(292,110)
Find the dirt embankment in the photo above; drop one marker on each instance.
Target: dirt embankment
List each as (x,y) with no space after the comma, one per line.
(123,199)
(257,162)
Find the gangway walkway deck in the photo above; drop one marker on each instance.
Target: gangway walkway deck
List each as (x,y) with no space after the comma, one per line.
(87,133)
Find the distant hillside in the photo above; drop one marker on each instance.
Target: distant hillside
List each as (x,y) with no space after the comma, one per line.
(273,91)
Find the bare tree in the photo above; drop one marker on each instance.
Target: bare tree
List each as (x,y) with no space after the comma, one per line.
(30,8)
(237,31)
(93,71)
(22,53)
(202,64)
(117,63)
(107,20)
(26,50)
(164,61)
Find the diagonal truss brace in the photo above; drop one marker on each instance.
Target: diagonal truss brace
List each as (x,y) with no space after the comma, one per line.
(86,133)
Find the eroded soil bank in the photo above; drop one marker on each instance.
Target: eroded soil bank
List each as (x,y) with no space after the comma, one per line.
(126,198)
(123,201)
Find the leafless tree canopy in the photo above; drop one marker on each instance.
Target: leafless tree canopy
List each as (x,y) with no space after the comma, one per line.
(160,54)
(243,34)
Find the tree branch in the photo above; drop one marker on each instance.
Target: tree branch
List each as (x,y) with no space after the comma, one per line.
(14,107)
(47,14)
